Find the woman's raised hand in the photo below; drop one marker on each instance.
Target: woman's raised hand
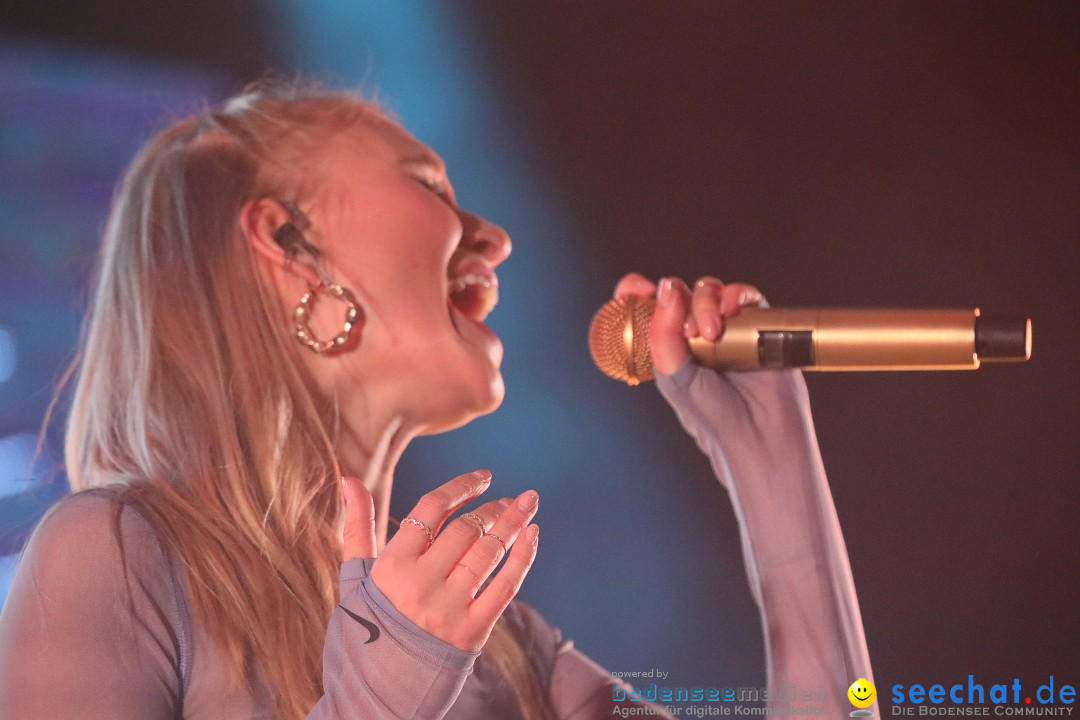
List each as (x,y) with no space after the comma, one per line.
(682,313)
(432,574)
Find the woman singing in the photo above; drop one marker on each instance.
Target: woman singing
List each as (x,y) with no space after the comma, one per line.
(287,294)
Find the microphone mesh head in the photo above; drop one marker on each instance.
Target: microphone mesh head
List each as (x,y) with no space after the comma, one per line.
(619,339)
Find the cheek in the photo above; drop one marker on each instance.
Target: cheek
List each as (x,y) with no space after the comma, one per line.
(404,266)
(381,220)
(397,290)
(410,214)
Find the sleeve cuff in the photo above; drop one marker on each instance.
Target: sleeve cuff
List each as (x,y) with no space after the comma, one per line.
(404,631)
(681,378)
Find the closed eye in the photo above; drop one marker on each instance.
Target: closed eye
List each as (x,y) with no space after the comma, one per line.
(430,171)
(434,186)
(440,188)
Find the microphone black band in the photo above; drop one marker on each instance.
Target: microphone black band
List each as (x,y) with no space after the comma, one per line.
(785,349)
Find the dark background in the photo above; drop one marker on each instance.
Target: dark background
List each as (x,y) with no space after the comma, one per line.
(910,154)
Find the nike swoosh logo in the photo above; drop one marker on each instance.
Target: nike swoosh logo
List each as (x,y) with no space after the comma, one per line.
(372,628)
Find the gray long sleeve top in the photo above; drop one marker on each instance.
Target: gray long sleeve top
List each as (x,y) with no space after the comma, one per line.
(95,629)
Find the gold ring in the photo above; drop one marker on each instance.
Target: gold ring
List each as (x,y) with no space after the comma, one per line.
(477,519)
(499,539)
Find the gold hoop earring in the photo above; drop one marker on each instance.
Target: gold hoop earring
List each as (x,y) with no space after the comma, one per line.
(303,313)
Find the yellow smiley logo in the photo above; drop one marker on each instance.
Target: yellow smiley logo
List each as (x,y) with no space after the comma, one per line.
(861,693)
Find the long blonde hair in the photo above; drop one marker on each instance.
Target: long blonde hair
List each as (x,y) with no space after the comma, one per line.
(191,404)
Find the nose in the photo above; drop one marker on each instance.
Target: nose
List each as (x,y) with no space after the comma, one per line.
(485,238)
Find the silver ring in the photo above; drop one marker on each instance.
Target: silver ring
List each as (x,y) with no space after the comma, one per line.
(477,519)
(499,539)
(420,524)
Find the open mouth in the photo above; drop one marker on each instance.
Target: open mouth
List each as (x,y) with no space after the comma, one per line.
(475,294)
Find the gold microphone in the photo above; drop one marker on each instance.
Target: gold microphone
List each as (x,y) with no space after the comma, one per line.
(826,339)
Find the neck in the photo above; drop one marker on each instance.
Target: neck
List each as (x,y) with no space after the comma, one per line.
(372,457)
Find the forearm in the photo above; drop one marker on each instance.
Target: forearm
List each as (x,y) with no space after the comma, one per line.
(796,560)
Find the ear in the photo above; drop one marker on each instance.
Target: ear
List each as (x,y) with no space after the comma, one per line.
(259,220)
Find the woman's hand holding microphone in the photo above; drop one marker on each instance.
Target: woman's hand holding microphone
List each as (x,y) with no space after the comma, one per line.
(761,417)
(682,313)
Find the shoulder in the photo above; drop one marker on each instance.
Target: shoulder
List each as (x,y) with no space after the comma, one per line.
(94,523)
(95,610)
(91,544)
(96,558)
(81,512)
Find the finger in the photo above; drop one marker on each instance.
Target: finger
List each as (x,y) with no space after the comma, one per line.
(667,340)
(359,536)
(705,307)
(486,552)
(491,603)
(486,515)
(690,327)
(459,536)
(737,296)
(635,285)
(411,539)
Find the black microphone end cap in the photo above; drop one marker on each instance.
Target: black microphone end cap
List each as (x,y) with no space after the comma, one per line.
(1003,339)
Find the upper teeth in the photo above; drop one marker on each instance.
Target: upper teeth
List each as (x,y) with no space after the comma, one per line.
(464,281)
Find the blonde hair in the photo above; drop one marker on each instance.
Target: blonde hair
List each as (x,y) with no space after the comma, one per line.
(191,403)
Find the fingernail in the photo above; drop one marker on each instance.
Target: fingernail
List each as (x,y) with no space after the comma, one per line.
(528,500)
(344,491)
(533,534)
(483,476)
(713,326)
(663,291)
